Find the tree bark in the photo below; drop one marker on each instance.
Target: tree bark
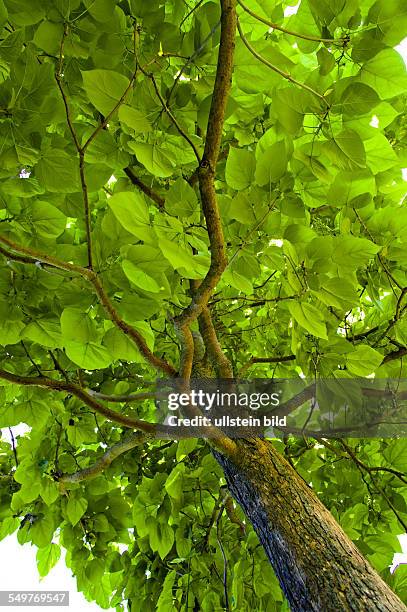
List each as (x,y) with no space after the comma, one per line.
(318,566)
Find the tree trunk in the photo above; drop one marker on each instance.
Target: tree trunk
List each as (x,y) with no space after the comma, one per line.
(318,566)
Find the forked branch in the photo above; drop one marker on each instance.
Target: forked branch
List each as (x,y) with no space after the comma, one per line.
(93,279)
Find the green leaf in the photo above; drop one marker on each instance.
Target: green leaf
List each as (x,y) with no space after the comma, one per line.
(337,292)
(358,99)
(120,346)
(10,332)
(77,326)
(386,73)
(390,18)
(101,10)
(240,168)
(287,106)
(57,171)
(242,209)
(346,150)
(47,558)
(238,281)
(42,531)
(3,13)
(182,259)
(44,332)
(309,317)
(380,155)
(134,119)
(49,221)
(363,361)
(131,210)
(49,491)
(75,508)
(23,188)
(185,447)
(95,570)
(353,252)
(173,484)
(271,164)
(355,189)
(157,160)
(181,199)
(104,88)
(162,539)
(8,526)
(89,355)
(48,36)
(396,455)
(165,602)
(140,278)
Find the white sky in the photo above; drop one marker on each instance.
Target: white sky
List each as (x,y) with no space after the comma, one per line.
(19,572)
(18,563)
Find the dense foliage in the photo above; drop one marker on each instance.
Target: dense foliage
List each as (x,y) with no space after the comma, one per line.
(104,109)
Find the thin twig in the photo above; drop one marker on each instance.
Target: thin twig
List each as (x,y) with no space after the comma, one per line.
(366,468)
(275,26)
(225,561)
(285,75)
(171,115)
(36,367)
(88,224)
(145,188)
(190,59)
(13,444)
(106,119)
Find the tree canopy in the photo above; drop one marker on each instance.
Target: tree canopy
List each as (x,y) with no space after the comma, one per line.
(170,172)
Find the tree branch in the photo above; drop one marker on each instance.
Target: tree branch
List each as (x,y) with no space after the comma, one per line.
(157,362)
(401,352)
(206,177)
(222,364)
(58,78)
(135,439)
(36,256)
(77,391)
(207,168)
(123,399)
(255,360)
(14,257)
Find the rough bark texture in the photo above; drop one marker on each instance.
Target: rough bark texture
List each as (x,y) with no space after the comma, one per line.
(318,566)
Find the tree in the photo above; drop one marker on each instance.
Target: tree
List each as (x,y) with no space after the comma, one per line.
(188,192)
